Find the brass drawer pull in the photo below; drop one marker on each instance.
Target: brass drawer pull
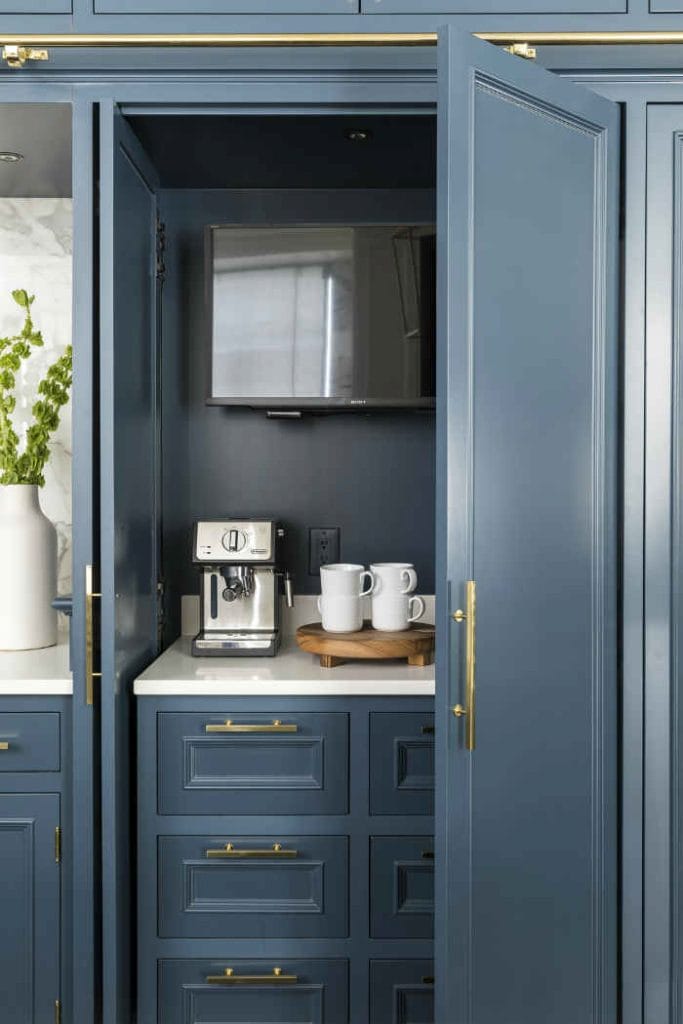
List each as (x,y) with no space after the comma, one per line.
(428,979)
(470,618)
(229,850)
(4,745)
(428,855)
(427,730)
(275,726)
(230,978)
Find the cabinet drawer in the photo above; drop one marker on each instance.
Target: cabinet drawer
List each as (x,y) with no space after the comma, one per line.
(402,992)
(261,764)
(35,6)
(226,7)
(401,763)
(32,740)
(311,991)
(253,886)
(402,887)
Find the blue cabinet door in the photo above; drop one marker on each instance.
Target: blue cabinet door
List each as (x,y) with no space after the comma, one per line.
(129,489)
(29,898)
(526,849)
(226,7)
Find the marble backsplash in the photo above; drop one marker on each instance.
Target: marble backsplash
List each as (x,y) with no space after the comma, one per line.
(35,253)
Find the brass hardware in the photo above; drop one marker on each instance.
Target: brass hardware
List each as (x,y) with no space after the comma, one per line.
(427,730)
(230,978)
(459,615)
(229,850)
(16,55)
(522,50)
(4,745)
(90,675)
(428,855)
(470,617)
(275,726)
(220,39)
(428,979)
(58,1011)
(58,845)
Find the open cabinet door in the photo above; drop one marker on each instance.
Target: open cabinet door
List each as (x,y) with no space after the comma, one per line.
(129,515)
(527,917)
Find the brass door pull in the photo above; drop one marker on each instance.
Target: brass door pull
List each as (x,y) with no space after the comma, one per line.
(4,745)
(469,616)
(230,978)
(229,850)
(90,674)
(275,726)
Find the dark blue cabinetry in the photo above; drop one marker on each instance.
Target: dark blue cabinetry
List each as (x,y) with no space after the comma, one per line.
(165,7)
(318,885)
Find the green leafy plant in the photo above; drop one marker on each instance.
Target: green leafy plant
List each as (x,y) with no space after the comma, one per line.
(26,467)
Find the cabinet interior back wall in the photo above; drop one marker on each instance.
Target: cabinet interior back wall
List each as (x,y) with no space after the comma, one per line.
(371,474)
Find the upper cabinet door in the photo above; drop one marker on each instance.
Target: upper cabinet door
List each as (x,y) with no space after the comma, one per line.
(526,856)
(129,520)
(225,7)
(35,6)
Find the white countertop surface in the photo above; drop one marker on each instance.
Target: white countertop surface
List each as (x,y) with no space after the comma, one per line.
(292,672)
(44,672)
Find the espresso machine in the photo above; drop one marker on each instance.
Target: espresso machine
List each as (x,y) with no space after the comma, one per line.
(240,587)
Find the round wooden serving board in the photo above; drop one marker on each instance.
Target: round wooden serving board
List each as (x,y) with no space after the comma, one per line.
(415,644)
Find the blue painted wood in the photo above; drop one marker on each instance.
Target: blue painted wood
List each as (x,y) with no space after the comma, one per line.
(129,517)
(29,896)
(305,895)
(402,887)
(526,854)
(537,7)
(319,995)
(305,772)
(401,763)
(34,742)
(166,7)
(33,7)
(402,992)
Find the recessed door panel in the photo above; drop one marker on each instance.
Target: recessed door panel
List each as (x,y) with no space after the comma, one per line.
(401,763)
(527,773)
(401,887)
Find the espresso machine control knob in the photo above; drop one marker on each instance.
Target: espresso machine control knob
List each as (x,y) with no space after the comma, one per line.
(234,540)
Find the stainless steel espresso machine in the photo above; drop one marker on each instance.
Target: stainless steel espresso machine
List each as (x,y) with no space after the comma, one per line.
(240,587)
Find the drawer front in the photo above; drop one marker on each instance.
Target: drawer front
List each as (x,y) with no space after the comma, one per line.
(402,992)
(270,886)
(299,765)
(314,992)
(32,740)
(401,762)
(402,887)
(226,7)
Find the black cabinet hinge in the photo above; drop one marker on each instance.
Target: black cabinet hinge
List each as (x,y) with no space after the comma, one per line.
(161,251)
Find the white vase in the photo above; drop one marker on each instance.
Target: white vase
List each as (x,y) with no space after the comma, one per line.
(28,571)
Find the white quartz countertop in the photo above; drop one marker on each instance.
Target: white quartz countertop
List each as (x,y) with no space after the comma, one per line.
(292,672)
(44,672)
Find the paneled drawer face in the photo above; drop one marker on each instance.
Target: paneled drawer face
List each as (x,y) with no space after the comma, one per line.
(254,764)
(226,7)
(257,992)
(29,742)
(402,887)
(253,886)
(401,762)
(402,992)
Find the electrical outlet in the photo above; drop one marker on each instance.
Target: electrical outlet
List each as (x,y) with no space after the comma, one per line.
(323,547)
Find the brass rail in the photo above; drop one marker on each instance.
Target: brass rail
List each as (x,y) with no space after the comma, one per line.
(230,978)
(230,851)
(275,726)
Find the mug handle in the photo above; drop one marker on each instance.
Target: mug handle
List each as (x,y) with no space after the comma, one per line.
(411,576)
(371,576)
(417,600)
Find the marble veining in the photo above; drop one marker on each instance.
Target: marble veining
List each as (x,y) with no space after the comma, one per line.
(36,240)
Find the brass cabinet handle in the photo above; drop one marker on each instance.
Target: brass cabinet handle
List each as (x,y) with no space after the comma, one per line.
(275,726)
(229,850)
(427,730)
(230,978)
(90,675)
(428,979)
(4,745)
(428,855)
(470,618)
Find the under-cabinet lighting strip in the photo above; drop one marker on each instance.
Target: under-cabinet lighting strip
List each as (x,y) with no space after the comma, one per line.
(299,39)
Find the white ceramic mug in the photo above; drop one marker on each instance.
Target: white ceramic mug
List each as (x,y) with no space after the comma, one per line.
(394,612)
(343,579)
(394,577)
(341,613)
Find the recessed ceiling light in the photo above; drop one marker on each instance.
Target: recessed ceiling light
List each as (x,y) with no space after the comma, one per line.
(358,135)
(11,158)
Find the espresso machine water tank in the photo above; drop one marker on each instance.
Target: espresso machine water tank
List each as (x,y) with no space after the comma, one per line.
(240,583)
